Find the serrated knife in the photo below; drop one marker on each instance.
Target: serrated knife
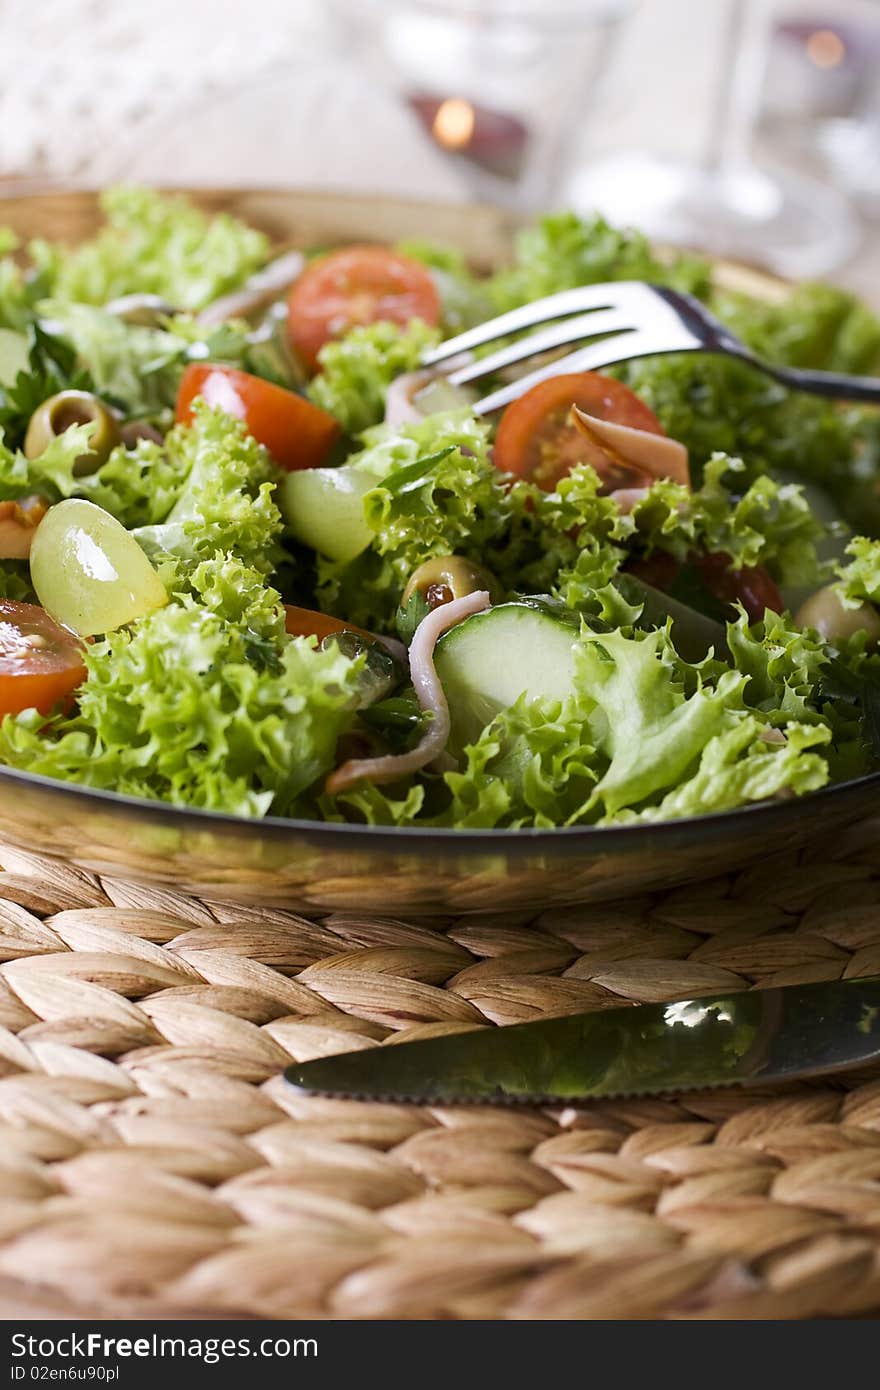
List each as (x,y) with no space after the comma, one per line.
(750,1038)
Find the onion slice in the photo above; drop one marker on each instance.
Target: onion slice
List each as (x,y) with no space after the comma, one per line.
(429,693)
(400,408)
(257,292)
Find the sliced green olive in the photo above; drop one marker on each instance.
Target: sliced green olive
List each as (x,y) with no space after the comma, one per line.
(58,413)
(447,577)
(825,611)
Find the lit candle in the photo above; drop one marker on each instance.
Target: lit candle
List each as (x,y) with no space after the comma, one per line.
(491,139)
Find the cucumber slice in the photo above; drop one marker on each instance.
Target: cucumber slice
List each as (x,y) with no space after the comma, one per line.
(324,509)
(14,356)
(488,661)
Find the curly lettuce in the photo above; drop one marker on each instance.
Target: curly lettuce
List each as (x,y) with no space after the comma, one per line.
(784,667)
(140,485)
(50,366)
(436,492)
(205,702)
(563,251)
(225,498)
(740,766)
(572,540)
(153,244)
(859,579)
(357,370)
(137,368)
(51,474)
(763,522)
(642,737)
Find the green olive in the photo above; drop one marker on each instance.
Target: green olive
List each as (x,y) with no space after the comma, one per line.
(68,408)
(825,611)
(446,577)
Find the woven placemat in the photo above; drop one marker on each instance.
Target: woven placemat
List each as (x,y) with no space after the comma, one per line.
(152,1162)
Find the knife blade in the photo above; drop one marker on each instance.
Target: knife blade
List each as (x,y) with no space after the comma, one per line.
(749,1038)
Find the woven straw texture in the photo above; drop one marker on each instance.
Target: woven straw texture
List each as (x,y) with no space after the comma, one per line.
(152,1162)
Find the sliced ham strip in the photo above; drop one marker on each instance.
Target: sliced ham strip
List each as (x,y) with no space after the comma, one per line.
(429,693)
(639,450)
(18,522)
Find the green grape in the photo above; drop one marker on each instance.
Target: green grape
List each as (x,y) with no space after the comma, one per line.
(324,509)
(13,356)
(88,572)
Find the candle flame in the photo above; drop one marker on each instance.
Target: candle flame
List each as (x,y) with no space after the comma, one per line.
(825,48)
(453,125)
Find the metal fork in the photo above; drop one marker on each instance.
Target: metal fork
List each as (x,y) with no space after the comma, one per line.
(640,320)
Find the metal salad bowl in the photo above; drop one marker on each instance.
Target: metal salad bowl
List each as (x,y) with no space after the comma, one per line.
(313,866)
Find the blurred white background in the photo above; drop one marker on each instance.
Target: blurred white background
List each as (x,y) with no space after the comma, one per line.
(309,93)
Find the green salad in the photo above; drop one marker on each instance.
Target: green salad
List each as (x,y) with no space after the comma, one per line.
(254,558)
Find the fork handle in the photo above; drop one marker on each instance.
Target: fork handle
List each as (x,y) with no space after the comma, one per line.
(838,385)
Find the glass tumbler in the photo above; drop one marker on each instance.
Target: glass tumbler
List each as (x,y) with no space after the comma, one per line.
(500,86)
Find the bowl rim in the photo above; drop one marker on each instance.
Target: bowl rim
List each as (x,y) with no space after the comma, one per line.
(568,839)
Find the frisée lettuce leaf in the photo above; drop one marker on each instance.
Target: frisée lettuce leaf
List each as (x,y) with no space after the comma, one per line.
(436,492)
(563,251)
(643,736)
(153,244)
(203,703)
(357,370)
(762,522)
(860,578)
(225,499)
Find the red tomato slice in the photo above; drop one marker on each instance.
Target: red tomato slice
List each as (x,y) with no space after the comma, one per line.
(536,438)
(308,622)
(360,284)
(751,585)
(296,433)
(41,663)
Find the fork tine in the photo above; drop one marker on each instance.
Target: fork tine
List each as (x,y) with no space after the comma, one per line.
(570,330)
(554,306)
(621,348)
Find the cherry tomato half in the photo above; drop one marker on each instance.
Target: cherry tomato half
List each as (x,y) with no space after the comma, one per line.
(296,433)
(358,285)
(536,438)
(308,622)
(41,663)
(751,585)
